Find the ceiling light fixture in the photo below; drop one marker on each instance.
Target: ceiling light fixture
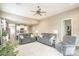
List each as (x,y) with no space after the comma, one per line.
(38,11)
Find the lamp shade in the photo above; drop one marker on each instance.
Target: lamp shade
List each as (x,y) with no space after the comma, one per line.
(36,31)
(55,31)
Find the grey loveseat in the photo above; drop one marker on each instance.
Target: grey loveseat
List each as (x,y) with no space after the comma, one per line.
(25,38)
(46,38)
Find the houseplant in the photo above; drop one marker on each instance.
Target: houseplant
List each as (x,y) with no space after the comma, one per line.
(4,33)
(8,49)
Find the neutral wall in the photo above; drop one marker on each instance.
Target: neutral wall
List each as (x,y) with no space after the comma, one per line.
(57,23)
(18,19)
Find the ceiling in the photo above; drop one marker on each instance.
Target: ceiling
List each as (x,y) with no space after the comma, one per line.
(24,9)
(20,13)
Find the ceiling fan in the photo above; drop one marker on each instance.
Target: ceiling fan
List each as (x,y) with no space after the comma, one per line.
(38,11)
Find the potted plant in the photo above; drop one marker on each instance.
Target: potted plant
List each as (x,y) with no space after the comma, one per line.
(8,49)
(4,33)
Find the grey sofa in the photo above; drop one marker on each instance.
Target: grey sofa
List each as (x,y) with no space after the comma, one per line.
(67,46)
(46,38)
(26,38)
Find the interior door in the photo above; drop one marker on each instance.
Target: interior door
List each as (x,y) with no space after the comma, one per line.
(68,30)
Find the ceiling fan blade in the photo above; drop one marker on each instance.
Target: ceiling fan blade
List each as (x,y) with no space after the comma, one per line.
(37,14)
(43,12)
(33,11)
(39,8)
(34,14)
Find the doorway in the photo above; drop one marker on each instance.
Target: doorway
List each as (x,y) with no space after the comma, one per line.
(68,30)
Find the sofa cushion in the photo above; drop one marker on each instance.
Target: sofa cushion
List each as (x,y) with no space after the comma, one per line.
(46,38)
(26,38)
